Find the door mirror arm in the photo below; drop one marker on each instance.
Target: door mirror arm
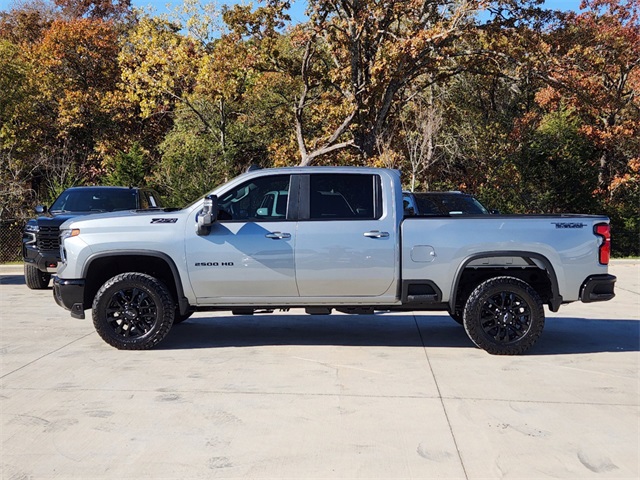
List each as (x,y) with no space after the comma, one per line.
(207,215)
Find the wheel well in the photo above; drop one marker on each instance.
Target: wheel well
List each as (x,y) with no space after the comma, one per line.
(103,268)
(539,279)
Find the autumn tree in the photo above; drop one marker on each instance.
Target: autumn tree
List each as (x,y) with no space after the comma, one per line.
(95,9)
(62,111)
(592,70)
(158,66)
(76,64)
(14,171)
(370,52)
(530,109)
(596,71)
(25,25)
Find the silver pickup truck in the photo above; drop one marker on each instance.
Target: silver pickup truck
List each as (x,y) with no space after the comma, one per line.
(325,238)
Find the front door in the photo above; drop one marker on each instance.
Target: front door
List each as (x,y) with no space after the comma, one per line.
(249,252)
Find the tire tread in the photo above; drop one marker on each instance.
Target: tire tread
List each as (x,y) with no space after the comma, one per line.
(166,303)
(474,303)
(34,278)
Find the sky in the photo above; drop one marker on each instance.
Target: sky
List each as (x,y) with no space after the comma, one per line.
(297,13)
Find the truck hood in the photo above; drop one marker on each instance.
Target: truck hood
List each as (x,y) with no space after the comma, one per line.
(126,217)
(55,220)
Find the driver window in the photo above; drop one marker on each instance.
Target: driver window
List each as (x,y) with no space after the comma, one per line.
(259,199)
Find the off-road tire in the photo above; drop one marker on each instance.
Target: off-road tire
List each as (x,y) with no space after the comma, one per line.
(133,311)
(34,278)
(504,316)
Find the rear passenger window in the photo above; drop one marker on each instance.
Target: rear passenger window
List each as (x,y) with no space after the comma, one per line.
(344,197)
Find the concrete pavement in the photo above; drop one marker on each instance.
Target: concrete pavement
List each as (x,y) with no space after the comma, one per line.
(291,396)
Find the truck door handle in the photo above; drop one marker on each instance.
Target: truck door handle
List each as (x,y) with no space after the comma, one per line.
(278,235)
(376,234)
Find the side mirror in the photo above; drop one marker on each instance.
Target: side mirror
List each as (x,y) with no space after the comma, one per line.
(208,215)
(40,209)
(494,212)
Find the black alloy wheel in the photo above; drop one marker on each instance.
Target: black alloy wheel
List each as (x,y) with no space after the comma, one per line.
(133,311)
(504,316)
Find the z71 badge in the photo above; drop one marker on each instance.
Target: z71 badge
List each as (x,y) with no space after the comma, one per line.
(164,220)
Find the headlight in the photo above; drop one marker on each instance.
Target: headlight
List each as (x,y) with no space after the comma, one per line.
(64,234)
(72,232)
(31,228)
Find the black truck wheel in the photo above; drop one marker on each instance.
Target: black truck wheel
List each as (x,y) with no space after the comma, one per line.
(504,316)
(34,278)
(133,311)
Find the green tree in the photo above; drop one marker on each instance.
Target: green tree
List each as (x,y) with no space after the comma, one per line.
(129,168)
(190,164)
(554,175)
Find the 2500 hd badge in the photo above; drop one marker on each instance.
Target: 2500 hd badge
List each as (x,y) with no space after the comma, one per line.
(214,264)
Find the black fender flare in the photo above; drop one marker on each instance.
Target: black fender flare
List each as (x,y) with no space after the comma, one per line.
(182,301)
(554,302)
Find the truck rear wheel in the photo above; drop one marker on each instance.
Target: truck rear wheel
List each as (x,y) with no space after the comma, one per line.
(133,311)
(34,278)
(504,316)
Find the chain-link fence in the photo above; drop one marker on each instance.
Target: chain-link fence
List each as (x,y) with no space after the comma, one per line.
(11,240)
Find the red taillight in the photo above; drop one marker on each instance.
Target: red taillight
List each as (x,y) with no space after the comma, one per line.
(604,252)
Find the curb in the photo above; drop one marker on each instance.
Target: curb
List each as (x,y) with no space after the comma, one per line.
(11,270)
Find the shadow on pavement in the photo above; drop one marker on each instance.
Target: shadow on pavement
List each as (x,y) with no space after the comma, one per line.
(12,280)
(274,329)
(579,335)
(562,336)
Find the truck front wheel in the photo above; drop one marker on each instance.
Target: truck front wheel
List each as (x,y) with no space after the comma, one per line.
(34,278)
(504,316)
(133,311)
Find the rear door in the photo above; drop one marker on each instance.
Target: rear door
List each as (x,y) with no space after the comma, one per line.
(346,238)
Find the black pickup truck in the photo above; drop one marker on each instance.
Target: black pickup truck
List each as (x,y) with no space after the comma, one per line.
(40,239)
(442,203)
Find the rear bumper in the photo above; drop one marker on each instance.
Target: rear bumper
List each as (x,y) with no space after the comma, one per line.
(69,294)
(598,288)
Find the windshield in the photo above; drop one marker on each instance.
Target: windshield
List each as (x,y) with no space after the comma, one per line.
(448,204)
(95,200)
